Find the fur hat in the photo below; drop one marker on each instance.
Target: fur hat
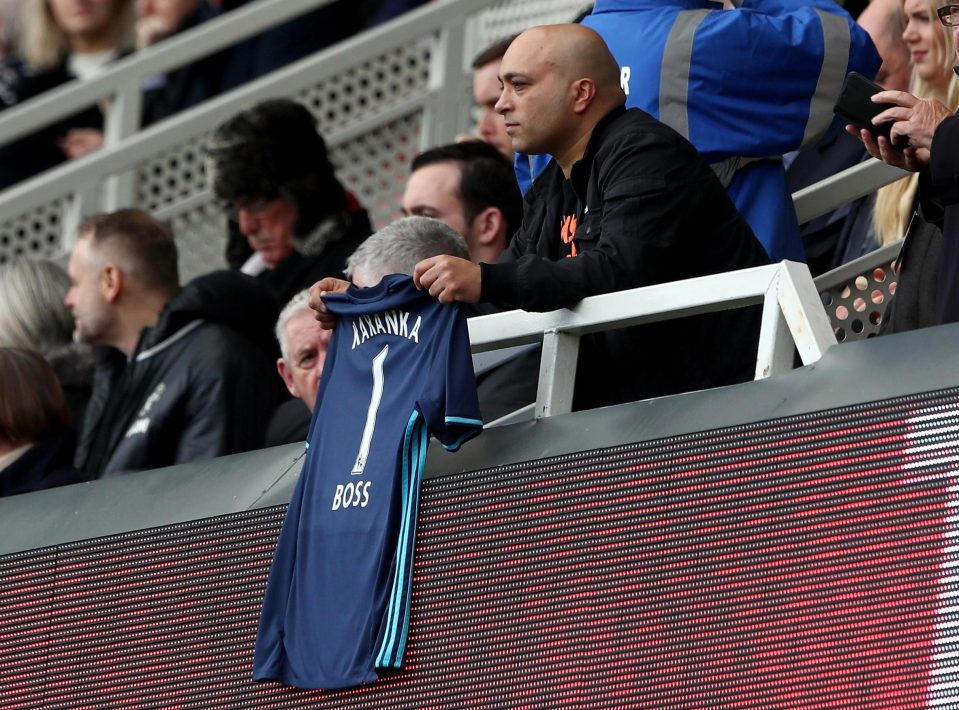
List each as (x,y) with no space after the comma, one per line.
(274,150)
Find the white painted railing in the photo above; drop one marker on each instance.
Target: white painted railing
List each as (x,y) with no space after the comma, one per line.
(793,320)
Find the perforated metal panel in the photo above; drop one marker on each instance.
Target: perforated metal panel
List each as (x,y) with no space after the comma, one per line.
(511,17)
(803,562)
(201,239)
(34,234)
(364,92)
(376,165)
(857,294)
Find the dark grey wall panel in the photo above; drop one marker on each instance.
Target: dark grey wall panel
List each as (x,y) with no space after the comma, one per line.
(875,369)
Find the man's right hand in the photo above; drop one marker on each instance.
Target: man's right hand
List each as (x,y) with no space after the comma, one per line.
(914,123)
(317,291)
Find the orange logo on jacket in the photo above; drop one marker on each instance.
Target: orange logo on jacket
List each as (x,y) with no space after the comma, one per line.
(567,229)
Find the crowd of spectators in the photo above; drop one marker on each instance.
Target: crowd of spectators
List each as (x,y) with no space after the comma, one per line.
(646,154)
(47,43)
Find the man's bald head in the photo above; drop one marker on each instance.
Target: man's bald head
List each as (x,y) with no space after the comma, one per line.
(558,82)
(573,52)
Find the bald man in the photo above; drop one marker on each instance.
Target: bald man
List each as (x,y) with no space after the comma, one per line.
(627,202)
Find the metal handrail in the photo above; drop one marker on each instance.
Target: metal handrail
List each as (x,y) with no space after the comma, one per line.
(837,190)
(793,320)
(167,55)
(124,156)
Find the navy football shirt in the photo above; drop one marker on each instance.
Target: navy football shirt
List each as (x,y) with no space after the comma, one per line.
(337,602)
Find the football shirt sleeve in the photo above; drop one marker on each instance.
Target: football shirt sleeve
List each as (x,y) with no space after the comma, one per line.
(451,408)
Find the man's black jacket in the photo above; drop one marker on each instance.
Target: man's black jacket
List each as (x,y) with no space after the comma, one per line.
(201,383)
(652,211)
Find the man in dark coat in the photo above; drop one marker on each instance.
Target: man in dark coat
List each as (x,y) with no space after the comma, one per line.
(271,171)
(182,375)
(627,202)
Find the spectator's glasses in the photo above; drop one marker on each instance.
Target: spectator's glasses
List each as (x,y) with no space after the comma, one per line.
(949,15)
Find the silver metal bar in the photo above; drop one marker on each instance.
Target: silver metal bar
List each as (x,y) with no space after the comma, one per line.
(200,119)
(804,312)
(446,80)
(776,346)
(524,414)
(883,256)
(841,188)
(705,294)
(211,37)
(557,374)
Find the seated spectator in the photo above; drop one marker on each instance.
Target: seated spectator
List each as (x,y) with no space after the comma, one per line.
(33,316)
(626,202)
(395,249)
(923,138)
(270,167)
(36,444)
(490,126)
(303,345)
(60,40)
(164,96)
(470,187)
(184,375)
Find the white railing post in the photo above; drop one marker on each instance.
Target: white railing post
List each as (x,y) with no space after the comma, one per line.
(557,374)
(122,121)
(441,114)
(804,312)
(776,347)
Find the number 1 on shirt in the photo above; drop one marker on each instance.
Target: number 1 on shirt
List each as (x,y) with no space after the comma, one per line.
(375,398)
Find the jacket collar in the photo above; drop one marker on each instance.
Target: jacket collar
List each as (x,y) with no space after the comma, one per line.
(582,168)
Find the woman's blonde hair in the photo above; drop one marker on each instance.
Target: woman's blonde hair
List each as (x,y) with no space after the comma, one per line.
(43,44)
(894,202)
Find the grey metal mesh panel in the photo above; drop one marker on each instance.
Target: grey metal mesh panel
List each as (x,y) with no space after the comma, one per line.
(201,240)
(856,295)
(375,165)
(365,91)
(36,233)
(172,176)
(511,17)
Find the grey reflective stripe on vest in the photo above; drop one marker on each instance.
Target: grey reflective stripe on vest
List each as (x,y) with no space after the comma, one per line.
(835,60)
(674,73)
(674,85)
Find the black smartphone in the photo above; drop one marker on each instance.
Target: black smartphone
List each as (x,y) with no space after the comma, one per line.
(854,105)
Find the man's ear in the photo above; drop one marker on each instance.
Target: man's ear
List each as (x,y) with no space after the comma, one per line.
(584,91)
(490,226)
(111,282)
(287,379)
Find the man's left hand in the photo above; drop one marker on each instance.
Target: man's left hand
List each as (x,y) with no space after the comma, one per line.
(449,278)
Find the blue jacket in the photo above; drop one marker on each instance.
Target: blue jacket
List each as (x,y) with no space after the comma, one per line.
(744,86)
